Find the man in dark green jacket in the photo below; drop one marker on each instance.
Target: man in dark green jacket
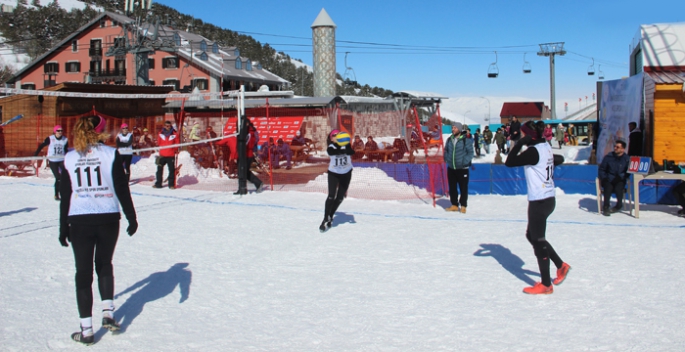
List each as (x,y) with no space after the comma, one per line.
(458,156)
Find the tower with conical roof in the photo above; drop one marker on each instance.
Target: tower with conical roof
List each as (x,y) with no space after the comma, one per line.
(323,42)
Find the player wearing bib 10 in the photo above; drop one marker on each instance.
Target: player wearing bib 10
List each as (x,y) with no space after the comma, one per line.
(93,186)
(539,162)
(125,148)
(339,176)
(57,145)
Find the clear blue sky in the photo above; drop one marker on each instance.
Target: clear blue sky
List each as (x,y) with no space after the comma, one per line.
(447,46)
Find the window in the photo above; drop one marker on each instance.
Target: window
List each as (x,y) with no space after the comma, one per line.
(248,65)
(236,52)
(201,83)
(170,62)
(119,67)
(74,45)
(103,23)
(95,47)
(259,66)
(151,63)
(73,66)
(119,42)
(203,56)
(29,86)
(115,23)
(238,64)
(171,82)
(96,67)
(51,67)
(215,48)
(151,81)
(177,39)
(203,45)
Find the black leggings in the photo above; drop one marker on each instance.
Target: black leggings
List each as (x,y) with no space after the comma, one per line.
(56,167)
(337,189)
(98,242)
(127,164)
(538,212)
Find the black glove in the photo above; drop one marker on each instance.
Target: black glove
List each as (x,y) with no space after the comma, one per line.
(132,226)
(64,235)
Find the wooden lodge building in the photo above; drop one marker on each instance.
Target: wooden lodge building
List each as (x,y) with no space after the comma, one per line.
(524,111)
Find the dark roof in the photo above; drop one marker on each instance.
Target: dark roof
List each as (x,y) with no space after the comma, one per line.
(668,77)
(527,109)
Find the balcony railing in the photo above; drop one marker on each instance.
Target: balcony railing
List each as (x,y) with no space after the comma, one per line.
(117,72)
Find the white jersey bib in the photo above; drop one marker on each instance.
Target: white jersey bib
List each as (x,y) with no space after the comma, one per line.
(539,177)
(125,139)
(340,164)
(57,148)
(91,181)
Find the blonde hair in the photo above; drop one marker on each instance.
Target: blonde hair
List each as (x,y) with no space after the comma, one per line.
(85,135)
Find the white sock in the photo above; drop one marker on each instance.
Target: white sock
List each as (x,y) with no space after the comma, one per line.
(87,326)
(108,308)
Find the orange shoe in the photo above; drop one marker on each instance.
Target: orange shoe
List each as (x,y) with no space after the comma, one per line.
(463,210)
(561,274)
(539,289)
(452,208)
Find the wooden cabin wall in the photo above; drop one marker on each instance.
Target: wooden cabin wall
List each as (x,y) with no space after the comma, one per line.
(669,123)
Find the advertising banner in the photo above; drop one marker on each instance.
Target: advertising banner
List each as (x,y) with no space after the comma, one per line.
(620,104)
(273,127)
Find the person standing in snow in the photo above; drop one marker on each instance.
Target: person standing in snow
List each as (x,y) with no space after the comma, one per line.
(57,146)
(458,155)
(94,184)
(167,137)
(539,162)
(339,177)
(634,140)
(125,148)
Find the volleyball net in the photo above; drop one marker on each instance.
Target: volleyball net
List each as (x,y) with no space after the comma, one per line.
(395,156)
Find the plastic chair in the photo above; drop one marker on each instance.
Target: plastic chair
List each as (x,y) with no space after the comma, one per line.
(628,200)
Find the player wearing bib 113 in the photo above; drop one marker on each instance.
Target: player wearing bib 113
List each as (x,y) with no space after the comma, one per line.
(94,184)
(57,145)
(539,162)
(339,176)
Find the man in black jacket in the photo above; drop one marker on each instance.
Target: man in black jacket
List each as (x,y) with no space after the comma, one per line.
(515,130)
(613,174)
(634,140)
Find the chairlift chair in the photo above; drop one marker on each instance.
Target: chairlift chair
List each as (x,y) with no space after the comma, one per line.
(600,73)
(591,69)
(493,70)
(526,65)
(349,74)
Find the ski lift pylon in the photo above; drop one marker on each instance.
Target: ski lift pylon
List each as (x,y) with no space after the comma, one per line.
(591,69)
(493,70)
(526,65)
(349,72)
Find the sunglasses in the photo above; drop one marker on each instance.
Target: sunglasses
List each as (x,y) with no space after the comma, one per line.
(58,131)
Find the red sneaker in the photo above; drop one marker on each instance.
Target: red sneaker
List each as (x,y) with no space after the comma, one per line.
(561,274)
(539,289)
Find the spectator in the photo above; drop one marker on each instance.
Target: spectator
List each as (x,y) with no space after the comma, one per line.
(194,135)
(487,139)
(613,174)
(268,152)
(370,147)
(572,139)
(679,192)
(57,145)
(501,141)
(401,146)
(91,222)
(458,155)
(125,147)
(299,139)
(507,136)
(167,137)
(436,134)
(634,140)
(515,129)
(539,162)
(283,150)
(358,147)
(559,135)
(548,134)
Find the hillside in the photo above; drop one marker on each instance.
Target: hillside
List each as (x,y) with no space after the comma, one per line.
(32,29)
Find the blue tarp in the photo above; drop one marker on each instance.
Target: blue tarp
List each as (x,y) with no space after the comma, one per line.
(499,179)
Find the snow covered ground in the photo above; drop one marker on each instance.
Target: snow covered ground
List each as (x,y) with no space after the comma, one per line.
(213,272)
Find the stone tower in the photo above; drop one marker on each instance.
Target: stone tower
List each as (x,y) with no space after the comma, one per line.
(323,41)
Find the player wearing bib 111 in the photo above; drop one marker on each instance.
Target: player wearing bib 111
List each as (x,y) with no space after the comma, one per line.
(125,148)
(94,184)
(539,162)
(339,176)
(57,145)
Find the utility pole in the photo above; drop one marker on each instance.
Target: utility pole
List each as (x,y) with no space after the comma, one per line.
(552,49)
